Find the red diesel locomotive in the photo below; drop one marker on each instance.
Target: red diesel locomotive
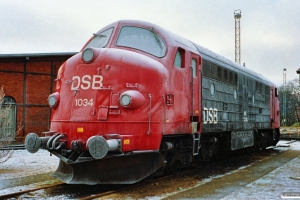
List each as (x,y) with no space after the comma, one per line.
(138,100)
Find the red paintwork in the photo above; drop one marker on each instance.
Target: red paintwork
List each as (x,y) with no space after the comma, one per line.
(123,70)
(274,109)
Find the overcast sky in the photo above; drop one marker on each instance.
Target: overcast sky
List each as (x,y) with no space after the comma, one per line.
(270,29)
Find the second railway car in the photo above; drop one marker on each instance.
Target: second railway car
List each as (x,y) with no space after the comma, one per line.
(138,99)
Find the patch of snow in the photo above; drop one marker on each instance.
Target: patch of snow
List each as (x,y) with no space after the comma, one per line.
(293,146)
(243,167)
(273,185)
(40,194)
(23,163)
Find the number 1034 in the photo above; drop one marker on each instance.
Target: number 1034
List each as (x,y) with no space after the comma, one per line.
(84,102)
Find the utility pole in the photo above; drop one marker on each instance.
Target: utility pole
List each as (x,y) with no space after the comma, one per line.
(298,72)
(237,17)
(284,97)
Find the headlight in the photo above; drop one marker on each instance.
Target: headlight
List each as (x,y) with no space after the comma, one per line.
(132,99)
(88,55)
(53,100)
(125,100)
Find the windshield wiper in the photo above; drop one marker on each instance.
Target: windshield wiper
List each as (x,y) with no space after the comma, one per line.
(98,35)
(156,38)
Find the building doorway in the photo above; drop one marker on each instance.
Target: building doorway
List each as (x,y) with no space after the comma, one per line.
(8,110)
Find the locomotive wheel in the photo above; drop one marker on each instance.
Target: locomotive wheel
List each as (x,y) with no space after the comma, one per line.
(176,167)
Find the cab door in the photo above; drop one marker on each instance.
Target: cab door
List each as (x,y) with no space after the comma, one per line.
(274,108)
(195,92)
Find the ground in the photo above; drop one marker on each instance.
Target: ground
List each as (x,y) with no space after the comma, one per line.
(22,163)
(271,184)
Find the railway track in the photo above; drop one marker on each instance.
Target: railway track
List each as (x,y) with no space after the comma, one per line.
(84,192)
(13,147)
(14,193)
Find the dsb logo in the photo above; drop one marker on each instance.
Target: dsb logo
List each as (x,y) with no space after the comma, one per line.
(210,115)
(86,82)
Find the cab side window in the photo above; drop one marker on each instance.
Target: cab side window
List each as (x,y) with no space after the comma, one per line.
(179,59)
(194,67)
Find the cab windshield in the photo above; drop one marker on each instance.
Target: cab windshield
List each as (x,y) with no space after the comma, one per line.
(142,39)
(100,40)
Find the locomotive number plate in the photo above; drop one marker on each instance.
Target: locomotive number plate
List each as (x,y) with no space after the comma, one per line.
(84,102)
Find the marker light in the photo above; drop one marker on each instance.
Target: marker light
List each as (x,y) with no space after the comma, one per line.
(53,100)
(88,55)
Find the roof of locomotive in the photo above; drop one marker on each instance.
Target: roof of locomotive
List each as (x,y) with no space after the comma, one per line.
(221,60)
(205,53)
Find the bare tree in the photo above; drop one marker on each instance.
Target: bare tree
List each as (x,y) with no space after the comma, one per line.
(6,137)
(290,94)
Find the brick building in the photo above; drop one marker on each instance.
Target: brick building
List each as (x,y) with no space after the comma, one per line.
(28,80)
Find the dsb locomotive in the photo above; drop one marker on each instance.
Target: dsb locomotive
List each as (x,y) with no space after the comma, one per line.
(138,100)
